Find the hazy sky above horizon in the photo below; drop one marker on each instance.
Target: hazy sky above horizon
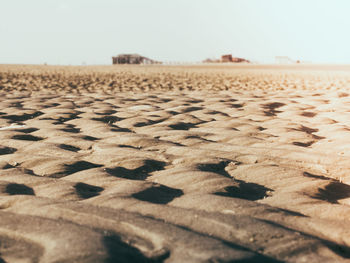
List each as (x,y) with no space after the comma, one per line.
(92,31)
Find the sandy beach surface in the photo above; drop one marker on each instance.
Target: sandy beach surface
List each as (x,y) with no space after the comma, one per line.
(206,163)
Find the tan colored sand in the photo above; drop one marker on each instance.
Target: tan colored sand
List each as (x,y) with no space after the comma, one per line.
(174,163)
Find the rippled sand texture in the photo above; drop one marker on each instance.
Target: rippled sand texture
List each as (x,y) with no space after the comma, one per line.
(174,164)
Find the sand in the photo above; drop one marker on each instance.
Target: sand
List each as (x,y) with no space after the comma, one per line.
(216,163)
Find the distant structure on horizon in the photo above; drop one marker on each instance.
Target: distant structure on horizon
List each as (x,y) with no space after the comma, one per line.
(211,60)
(133,59)
(229,58)
(226,59)
(285,60)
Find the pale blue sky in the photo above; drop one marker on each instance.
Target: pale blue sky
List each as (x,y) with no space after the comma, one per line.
(92,31)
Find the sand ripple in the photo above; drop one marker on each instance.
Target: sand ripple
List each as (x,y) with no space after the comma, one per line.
(174,164)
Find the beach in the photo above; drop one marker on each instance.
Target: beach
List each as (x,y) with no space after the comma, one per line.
(166,163)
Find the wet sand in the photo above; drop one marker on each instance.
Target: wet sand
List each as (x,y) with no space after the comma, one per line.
(174,163)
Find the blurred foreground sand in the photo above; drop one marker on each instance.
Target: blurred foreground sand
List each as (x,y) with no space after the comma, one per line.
(174,163)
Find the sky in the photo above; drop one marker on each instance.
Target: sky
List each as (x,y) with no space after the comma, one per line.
(76,32)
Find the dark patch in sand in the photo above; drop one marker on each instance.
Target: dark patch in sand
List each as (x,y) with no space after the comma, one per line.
(26,137)
(120,251)
(69,147)
(182,126)
(248,191)
(333,192)
(139,173)
(271,108)
(6,150)
(86,191)
(159,194)
(303,144)
(19,189)
(74,168)
(23,117)
(308,114)
(218,168)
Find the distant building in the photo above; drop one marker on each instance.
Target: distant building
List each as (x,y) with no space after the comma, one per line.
(132,59)
(229,58)
(226,58)
(284,60)
(211,60)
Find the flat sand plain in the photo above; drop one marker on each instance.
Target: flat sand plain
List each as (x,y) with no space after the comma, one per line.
(175,163)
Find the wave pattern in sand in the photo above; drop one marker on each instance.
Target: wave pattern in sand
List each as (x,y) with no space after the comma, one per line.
(153,164)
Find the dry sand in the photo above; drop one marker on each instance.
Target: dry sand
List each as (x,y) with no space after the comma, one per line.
(174,164)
